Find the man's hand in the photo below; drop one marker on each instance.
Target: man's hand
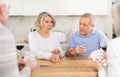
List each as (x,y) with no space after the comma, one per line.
(80,50)
(21,64)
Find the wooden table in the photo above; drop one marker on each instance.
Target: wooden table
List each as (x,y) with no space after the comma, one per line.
(68,67)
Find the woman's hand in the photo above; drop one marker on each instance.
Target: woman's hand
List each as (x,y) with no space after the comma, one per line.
(96,65)
(57,51)
(55,58)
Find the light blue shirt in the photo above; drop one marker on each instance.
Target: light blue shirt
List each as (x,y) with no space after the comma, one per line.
(90,42)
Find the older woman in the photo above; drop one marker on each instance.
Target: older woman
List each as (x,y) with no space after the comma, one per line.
(43,42)
(113,49)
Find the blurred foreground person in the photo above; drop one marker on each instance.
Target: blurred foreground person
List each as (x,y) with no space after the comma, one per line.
(113,49)
(8,56)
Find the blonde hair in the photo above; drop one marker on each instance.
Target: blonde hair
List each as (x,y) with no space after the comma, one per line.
(116,17)
(40,18)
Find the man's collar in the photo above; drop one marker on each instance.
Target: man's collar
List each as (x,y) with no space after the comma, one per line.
(92,33)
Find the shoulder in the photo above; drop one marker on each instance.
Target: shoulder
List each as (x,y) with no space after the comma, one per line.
(54,34)
(98,32)
(33,33)
(114,45)
(77,33)
(5,32)
(113,48)
(115,41)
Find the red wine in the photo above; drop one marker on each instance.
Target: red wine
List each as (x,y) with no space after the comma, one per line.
(19,47)
(104,48)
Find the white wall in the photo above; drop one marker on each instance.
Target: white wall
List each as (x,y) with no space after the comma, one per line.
(20,25)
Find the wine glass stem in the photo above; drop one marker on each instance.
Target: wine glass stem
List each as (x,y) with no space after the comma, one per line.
(19,53)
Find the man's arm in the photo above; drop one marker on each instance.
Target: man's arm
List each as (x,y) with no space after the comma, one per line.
(78,50)
(70,52)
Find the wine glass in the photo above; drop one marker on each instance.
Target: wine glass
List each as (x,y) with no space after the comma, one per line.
(103,44)
(19,47)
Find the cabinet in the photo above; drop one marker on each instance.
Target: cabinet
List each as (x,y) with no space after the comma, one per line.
(34,7)
(96,7)
(59,7)
(16,7)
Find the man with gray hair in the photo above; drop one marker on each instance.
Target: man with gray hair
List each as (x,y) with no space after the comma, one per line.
(8,57)
(87,39)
